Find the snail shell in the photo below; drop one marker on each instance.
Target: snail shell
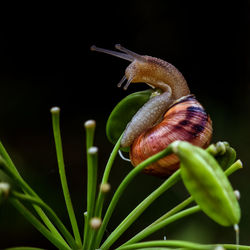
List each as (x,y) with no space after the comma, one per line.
(185,120)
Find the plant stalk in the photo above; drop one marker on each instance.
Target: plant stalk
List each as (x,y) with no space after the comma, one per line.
(133,173)
(91,180)
(38,225)
(52,215)
(9,168)
(146,231)
(59,152)
(140,209)
(181,244)
(100,198)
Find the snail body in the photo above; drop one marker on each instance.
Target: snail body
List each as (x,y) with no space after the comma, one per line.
(172,115)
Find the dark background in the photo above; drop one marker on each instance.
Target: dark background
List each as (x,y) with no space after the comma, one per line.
(45,61)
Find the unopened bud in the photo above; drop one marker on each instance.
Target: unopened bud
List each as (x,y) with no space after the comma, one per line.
(236,228)
(93,150)
(90,124)
(105,187)
(211,149)
(95,223)
(221,148)
(55,110)
(4,191)
(219,248)
(237,194)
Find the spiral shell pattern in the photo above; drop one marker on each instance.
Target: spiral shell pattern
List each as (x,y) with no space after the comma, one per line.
(185,120)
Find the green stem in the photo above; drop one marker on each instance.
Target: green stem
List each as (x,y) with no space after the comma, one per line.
(51,214)
(100,199)
(105,177)
(173,211)
(170,213)
(90,133)
(38,225)
(163,223)
(91,180)
(91,192)
(234,167)
(133,173)
(140,209)
(236,247)
(9,168)
(8,160)
(101,195)
(58,143)
(181,244)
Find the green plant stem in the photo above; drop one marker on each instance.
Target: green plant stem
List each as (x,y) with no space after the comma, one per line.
(176,209)
(9,168)
(91,181)
(61,166)
(163,223)
(100,198)
(50,213)
(38,225)
(101,195)
(8,160)
(234,167)
(170,213)
(133,173)
(236,247)
(173,211)
(140,209)
(181,244)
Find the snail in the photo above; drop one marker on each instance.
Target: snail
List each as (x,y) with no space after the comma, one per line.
(173,114)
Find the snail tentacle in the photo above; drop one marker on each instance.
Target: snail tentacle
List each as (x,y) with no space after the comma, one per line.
(124,56)
(130,53)
(124,78)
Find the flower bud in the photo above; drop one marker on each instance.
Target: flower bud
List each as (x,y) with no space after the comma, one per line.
(207,183)
(4,191)
(90,124)
(95,223)
(105,188)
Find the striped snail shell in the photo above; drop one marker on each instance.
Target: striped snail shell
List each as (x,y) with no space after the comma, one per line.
(172,115)
(185,120)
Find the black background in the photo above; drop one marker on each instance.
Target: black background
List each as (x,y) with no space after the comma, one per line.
(45,61)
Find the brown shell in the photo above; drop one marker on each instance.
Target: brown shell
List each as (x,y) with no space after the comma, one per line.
(185,120)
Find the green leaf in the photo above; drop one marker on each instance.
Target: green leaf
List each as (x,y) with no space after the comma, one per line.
(123,113)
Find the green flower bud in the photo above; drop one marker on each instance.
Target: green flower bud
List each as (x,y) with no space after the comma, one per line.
(208,184)
(223,153)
